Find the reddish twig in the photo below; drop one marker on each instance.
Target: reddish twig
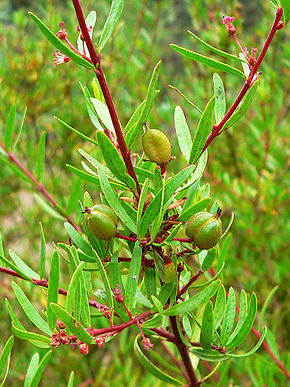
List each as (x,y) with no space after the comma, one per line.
(96,60)
(192,279)
(40,187)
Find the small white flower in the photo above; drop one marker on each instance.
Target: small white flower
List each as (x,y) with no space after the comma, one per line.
(59,58)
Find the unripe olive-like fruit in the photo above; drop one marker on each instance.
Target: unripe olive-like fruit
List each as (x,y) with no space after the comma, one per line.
(102,221)
(156,146)
(204,229)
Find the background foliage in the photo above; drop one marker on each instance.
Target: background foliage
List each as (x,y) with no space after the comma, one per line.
(247,165)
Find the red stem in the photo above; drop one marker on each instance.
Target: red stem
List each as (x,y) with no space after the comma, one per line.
(192,279)
(96,60)
(40,187)
(217,128)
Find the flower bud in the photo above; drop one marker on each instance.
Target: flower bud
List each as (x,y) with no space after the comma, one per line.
(156,146)
(102,221)
(204,229)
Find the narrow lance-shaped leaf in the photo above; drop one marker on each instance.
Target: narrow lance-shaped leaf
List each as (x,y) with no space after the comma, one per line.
(243,108)
(265,306)
(229,317)
(215,64)
(114,201)
(219,308)
(21,127)
(195,301)
(51,211)
(203,129)
(133,276)
(53,286)
(114,161)
(41,158)
(111,22)
(107,284)
(220,98)
(134,131)
(40,369)
(83,136)
(29,310)
(23,266)
(103,113)
(286,10)
(216,50)
(141,203)
(183,133)
(242,314)
(79,241)
(196,207)
(246,326)
(32,368)
(70,304)
(36,339)
(42,252)
(76,194)
(9,128)
(14,267)
(152,368)
(253,350)
(71,379)
(207,326)
(71,323)
(50,35)
(5,358)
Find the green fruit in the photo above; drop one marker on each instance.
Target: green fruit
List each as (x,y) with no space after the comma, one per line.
(204,229)
(156,146)
(102,221)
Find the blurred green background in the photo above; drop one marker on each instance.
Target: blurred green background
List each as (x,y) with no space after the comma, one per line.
(247,167)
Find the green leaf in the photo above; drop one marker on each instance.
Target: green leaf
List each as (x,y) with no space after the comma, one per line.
(23,266)
(47,208)
(83,136)
(195,301)
(13,317)
(79,241)
(246,326)
(41,158)
(183,133)
(220,98)
(35,338)
(76,194)
(154,322)
(42,252)
(9,128)
(202,131)
(154,207)
(246,68)
(187,99)
(150,281)
(207,326)
(111,22)
(1,245)
(242,314)
(229,317)
(32,368)
(114,161)
(209,355)
(209,259)
(103,113)
(114,202)
(70,304)
(14,168)
(210,280)
(134,131)
(253,350)
(50,35)
(229,225)
(30,311)
(53,286)
(207,61)
(133,276)
(71,323)
(265,306)
(71,379)
(243,107)
(95,163)
(84,175)
(150,367)
(141,203)
(14,267)
(196,207)
(219,308)
(21,126)
(5,359)
(286,10)
(216,50)
(40,369)
(108,287)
